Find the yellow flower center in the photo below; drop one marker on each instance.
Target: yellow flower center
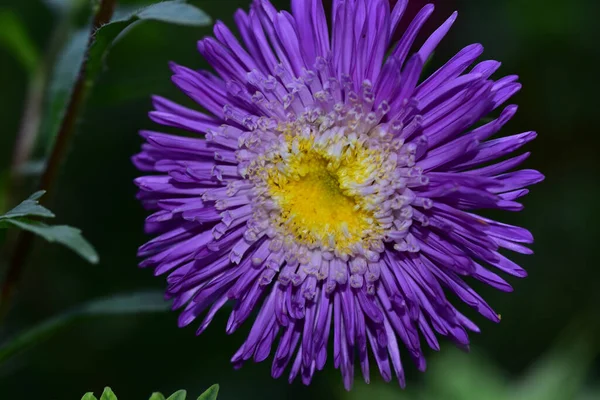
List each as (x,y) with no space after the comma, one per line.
(316,186)
(315,209)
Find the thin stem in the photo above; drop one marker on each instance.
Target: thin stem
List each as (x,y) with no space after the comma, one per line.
(33,110)
(102,16)
(31,119)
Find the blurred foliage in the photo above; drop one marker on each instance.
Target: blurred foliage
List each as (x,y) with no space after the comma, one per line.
(553,47)
(210,394)
(130,303)
(78,48)
(23,217)
(15,38)
(559,375)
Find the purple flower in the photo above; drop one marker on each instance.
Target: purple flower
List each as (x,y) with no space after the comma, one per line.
(331,189)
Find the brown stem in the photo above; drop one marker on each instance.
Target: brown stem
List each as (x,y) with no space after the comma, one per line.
(102,16)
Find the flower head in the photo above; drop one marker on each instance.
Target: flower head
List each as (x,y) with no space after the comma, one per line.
(331,189)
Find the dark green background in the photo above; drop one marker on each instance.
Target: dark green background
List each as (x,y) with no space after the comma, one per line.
(551,44)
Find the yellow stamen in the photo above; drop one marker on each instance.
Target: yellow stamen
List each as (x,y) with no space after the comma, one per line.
(313,188)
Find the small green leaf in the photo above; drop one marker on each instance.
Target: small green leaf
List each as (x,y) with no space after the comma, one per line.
(15,38)
(178,395)
(63,234)
(143,302)
(175,12)
(108,394)
(29,208)
(210,394)
(21,215)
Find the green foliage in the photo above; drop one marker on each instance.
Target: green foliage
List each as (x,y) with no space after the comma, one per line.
(108,394)
(61,84)
(15,38)
(29,208)
(136,303)
(178,395)
(560,374)
(72,56)
(454,375)
(21,217)
(173,12)
(210,394)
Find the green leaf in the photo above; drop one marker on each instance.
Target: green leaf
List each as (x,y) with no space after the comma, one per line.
(21,215)
(63,234)
(15,38)
(108,394)
(29,208)
(143,302)
(62,82)
(173,12)
(210,394)
(178,395)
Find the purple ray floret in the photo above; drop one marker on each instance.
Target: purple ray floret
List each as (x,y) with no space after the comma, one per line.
(329,191)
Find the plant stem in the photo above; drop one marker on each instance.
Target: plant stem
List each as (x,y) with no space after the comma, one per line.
(30,121)
(103,14)
(65,133)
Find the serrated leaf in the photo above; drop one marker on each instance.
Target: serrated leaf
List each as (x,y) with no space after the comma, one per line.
(29,208)
(108,394)
(178,395)
(16,40)
(63,234)
(210,394)
(142,302)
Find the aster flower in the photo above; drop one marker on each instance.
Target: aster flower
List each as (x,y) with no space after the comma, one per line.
(331,190)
